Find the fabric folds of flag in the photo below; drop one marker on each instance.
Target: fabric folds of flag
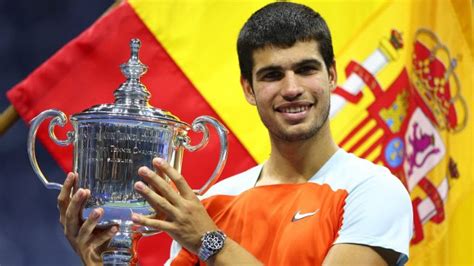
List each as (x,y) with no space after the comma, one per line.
(403,100)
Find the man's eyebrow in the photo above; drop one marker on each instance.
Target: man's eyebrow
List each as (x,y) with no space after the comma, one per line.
(267,69)
(304,62)
(313,62)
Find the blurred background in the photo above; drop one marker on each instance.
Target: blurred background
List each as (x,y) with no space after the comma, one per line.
(31,32)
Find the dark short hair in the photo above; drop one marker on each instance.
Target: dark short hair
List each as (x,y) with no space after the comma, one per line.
(282,24)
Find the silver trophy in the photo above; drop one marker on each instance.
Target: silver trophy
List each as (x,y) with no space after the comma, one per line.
(111,141)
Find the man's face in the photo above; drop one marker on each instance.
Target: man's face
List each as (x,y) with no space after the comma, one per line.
(291,89)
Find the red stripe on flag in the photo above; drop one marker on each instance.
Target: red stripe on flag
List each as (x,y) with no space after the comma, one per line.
(378,159)
(354,131)
(363,139)
(85,72)
(371,148)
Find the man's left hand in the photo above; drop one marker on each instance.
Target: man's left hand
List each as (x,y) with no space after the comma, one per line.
(186,219)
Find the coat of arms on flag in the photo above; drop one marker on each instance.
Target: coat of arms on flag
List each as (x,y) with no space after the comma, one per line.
(416,114)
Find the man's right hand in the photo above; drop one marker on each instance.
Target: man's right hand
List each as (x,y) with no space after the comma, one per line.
(88,242)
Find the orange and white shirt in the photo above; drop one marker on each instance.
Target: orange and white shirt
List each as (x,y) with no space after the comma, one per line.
(349,200)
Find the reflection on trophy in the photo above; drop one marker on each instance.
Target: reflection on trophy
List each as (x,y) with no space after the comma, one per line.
(111,141)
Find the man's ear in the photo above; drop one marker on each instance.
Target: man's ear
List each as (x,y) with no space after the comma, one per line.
(248,91)
(332,72)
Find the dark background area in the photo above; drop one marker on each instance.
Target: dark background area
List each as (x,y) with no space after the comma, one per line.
(30,32)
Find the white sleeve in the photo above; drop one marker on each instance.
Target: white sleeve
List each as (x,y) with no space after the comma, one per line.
(174,250)
(378,213)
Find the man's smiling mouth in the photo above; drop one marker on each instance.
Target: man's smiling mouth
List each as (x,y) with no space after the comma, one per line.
(293,108)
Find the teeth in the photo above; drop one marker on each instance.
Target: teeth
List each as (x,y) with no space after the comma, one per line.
(294,109)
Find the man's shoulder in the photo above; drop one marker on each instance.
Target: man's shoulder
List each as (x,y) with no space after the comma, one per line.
(361,166)
(349,172)
(369,181)
(374,173)
(236,184)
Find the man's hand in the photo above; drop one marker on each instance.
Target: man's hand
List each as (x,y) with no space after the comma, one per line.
(186,218)
(88,241)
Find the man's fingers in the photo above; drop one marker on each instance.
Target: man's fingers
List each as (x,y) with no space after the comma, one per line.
(157,224)
(89,225)
(73,212)
(65,195)
(104,236)
(181,184)
(159,185)
(157,202)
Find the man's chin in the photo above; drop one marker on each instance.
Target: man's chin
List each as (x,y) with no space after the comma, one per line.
(296,135)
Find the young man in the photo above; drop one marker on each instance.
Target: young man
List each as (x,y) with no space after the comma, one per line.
(310,203)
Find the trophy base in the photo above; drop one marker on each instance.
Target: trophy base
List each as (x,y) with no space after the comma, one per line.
(116,258)
(122,248)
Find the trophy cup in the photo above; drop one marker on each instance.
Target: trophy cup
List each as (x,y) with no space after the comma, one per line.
(111,141)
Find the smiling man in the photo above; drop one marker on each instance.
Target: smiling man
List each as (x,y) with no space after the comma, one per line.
(310,203)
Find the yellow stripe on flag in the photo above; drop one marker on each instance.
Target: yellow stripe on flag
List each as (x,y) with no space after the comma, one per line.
(359,134)
(374,154)
(371,139)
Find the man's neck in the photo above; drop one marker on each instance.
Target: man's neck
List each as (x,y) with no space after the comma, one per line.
(297,161)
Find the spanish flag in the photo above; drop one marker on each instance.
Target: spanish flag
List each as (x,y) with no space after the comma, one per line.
(403,100)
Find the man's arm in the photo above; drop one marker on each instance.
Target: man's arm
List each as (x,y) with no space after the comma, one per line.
(186,218)
(233,254)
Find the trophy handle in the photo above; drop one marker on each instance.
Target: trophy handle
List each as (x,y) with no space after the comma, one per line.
(199,125)
(59,118)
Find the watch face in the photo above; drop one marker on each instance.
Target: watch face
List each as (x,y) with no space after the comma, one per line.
(214,241)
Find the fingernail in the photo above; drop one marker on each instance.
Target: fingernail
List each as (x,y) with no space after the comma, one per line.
(144,171)
(159,161)
(149,172)
(135,217)
(95,214)
(114,229)
(140,186)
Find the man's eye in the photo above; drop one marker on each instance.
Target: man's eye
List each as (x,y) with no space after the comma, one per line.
(273,75)
(306,70)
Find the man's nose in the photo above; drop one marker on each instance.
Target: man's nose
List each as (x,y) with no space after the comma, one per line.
(291,88)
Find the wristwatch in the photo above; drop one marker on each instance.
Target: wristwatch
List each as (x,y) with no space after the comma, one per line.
(211,243)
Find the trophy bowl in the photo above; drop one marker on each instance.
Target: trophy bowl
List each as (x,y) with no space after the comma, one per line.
(111,141)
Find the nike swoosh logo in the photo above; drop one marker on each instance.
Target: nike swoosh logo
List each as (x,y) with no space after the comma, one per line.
(298,216)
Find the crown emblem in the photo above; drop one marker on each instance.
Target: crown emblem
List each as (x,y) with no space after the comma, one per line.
(435,79)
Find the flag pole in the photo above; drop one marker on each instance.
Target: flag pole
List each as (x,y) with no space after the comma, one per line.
(7,118)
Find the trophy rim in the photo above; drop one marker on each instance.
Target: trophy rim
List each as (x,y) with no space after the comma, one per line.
(164,120)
